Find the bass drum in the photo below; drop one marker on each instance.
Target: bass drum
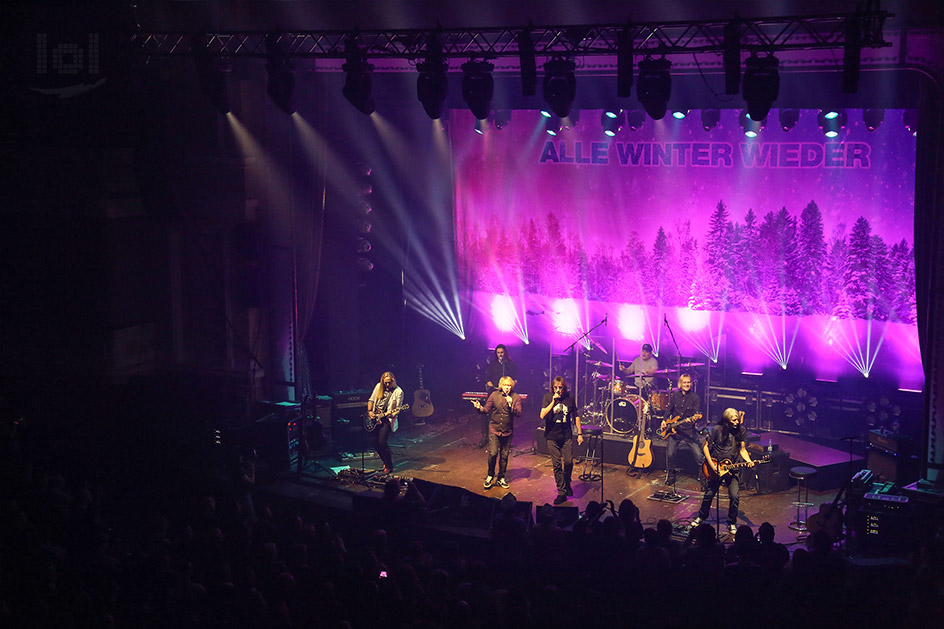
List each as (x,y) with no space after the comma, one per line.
(624,419)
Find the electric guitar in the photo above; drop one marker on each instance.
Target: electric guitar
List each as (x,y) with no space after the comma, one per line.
(370,423)
(422,405)
(725,466)
(672,425)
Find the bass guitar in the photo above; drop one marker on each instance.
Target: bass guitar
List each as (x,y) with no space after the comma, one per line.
(672,425)
(725,466)
(422,405)
(370,423)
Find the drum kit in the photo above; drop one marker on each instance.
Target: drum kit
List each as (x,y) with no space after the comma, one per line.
(623,407)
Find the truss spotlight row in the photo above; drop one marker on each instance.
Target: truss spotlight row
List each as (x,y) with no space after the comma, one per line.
(478,87)
(761,85)
(654,86)
(560,85)
(357,83)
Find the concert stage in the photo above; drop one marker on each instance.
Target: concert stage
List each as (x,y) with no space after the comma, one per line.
(833,467)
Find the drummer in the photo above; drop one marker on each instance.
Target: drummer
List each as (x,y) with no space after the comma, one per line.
(643,366)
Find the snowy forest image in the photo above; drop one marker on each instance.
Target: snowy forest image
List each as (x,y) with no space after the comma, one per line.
(780,263)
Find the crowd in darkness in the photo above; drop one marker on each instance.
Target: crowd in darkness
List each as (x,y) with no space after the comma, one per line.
(78,553)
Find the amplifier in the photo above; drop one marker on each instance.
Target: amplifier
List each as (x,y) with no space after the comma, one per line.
(277,441)
(884,503)
(350,399)
(891,442)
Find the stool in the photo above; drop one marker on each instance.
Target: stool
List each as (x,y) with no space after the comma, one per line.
(802,475)
(594,442)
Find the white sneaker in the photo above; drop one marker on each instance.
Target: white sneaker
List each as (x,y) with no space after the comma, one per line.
(503,483)
(732,529)
(489,481)
(695,523)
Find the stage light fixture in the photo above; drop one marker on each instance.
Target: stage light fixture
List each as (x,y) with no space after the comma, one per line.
(731,58)
(478,86)
(363,245)
(751,127)
(481,126)
(788,118)
(527,63)
(552,125)
(280,85)
(654,86)
(365,265)
(680,114)
(357,83)
(570,121)
(211,73)
(831,121)
(431,84)
(612,123)
(851,55)
(560,85)
(910,120)
(624,62)
(761,84)
(710,118)
(612,112)
(502,118)
(635,118)
(873,118)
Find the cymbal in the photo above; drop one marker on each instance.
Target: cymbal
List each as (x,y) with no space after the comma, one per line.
(685,365)
(599,363)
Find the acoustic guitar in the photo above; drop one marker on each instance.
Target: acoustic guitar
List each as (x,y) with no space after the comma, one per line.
(641,454)
(422,405)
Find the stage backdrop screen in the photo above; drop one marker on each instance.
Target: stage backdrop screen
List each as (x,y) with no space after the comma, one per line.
(673,220)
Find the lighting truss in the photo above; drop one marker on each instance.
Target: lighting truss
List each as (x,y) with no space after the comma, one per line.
(769,35)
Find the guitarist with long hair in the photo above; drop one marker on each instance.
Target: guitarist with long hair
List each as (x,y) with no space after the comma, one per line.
(679,426)
(385,397)
(725,444)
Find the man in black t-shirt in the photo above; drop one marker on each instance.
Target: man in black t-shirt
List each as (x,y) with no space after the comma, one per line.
(685,408)
(725,442)
(559,412)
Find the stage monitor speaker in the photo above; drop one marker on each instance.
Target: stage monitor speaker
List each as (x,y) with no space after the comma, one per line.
(892,467)
(770,477)
(455,506)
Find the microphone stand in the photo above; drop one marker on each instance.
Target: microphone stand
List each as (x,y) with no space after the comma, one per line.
(678,350)
(577,340)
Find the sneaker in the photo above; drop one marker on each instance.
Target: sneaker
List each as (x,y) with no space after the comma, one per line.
(732,529)
(503,483)
(489,481)
(570,491)
(696,522)
(561,498)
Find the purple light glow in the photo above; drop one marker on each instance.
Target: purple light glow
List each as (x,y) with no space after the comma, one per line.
(566,316)
(503,313)
(632,322)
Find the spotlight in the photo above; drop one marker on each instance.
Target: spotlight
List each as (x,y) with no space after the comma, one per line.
(710,118)
(624,62)
(655,86)
(751,127)
(570,121)
(527,63)
(761,85)
(612,124)
(478,87)
(910,120)
(552,125)
(831,121)
(731,58)
(612,112)
(789,118)
(481,125)
(679,114)
(364,226)
(357,88)
(635,119)
(873,118)
(560,85)
(365,265)
(502,118)
(281,76)
(363,245)
(211,73)
(431,84)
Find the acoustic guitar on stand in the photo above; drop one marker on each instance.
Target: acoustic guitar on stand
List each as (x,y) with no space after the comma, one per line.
(672,425)
(422,405)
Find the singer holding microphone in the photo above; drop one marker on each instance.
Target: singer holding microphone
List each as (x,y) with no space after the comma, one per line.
(503,406)
(559,412)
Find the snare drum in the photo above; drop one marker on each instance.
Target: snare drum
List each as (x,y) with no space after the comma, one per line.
(626,411)
(659,400)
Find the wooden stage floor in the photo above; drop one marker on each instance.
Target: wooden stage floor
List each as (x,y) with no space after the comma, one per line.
(445,451)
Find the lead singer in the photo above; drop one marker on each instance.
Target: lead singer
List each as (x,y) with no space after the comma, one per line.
(559,412)
(504,405)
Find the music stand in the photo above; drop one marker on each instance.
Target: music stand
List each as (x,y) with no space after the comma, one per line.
(312,440)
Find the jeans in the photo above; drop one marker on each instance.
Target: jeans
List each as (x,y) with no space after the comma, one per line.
(671,452)
(498,448)
(380,435)
(562,460)
(733,483)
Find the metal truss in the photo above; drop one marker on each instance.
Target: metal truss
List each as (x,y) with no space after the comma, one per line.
(662,38)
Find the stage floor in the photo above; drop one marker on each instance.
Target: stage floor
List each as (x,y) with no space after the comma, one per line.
(445,451)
